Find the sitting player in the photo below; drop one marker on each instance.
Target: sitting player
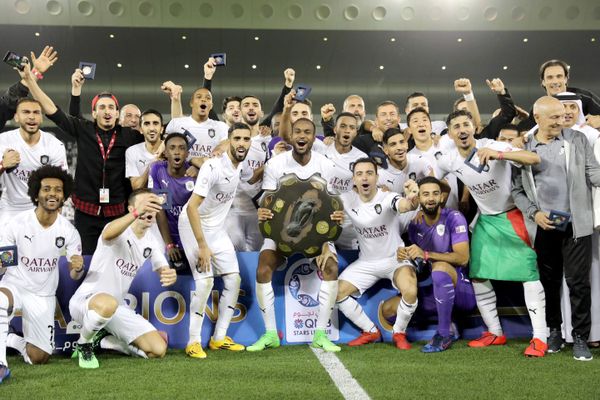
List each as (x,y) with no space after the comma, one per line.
(41,235)
(123,247)
(440,247)
(373,213)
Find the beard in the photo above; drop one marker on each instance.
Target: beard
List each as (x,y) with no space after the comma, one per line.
(431,212)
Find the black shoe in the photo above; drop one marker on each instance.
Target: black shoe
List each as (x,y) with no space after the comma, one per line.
(580,349)
(555,341)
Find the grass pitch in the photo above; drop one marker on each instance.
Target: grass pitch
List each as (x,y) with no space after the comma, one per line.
(293,372)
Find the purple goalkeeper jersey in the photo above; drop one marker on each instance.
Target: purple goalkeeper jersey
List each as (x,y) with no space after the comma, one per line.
(450,229)
(181,190)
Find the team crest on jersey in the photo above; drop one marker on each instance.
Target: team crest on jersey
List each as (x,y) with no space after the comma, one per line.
(378,208)
(437,155)
(351,166)
(412,176)
(263,146)
(59,242)
(147,252)
(44,159)
(189,186)
(211,133)
(441,229)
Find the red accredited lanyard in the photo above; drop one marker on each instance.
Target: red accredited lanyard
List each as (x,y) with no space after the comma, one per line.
(107,153)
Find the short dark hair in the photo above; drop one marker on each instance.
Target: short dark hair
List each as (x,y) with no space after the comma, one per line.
(458,113)
(413,95)
(176,135)
(48,171)
(391,132)
(344,114)
(228,100)
(250,96)
(387,103)
(153,112)
(305,120)
(511,127)
(197,90)
(363,160)
(27,100)
(429,179)
(238,125)
(135,193)
(415,111)
(554,63)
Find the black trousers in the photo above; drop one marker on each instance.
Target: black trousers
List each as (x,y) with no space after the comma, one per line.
(89,228)
(558,252)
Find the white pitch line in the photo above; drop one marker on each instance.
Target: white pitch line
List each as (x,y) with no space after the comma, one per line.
(341,377)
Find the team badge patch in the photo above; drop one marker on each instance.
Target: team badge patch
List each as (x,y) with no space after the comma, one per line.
(211,133)
(44,159)
(412,176)
(189,186)
(147,252)
(351,166)
(378,208)
(441,229)
(263,146)
(59,242)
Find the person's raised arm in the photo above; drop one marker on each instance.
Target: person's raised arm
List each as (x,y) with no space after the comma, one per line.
(174,91)
(285,127)
(507,109)
(463,87)
(327,112)
(38,94)
(289,75)
(77,81)
(210,68)
(522,157)
(143,204)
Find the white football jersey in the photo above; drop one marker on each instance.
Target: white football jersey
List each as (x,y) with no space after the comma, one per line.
(257,156)
(48,151)
(416,168)
(208,134)
(432,154)
(284,163)
(217,182)
(377,224)
(491,189)
(342,177)
(137,159)
(115,263)
(38,250)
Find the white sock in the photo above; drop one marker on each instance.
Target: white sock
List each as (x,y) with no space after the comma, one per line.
(355,313)
(403,315)
(92,323)
(198,307)
(486,303)
(266,302)
(3,328)
(327,296)
(535,300)
(18,343)
(227,302)
(111,342)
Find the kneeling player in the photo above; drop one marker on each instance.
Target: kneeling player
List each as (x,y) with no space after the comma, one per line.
(41,235)
(123,247)
(440,245)
(373,213)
